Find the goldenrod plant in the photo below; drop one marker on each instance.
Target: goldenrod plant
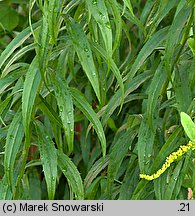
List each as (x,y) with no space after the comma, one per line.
(189,128)
(96,98)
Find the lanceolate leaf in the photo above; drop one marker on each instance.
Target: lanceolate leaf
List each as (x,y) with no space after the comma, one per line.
(65,105)
(13,142)
(147,49)
(31,85)
(97,167)
(54,8)
(48,156)
(114,69)
(116,98)
(175,35)
(84,53)
(81,102)
(43,47)
(98,11)
(146,138)
(154,93)
(188,125)
(72,174)
(120,147)
(15,43)
(5,192)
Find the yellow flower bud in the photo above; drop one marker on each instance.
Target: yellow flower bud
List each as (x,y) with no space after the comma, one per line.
(170,159)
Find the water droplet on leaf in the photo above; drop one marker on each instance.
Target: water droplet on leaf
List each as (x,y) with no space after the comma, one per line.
(60,108)
(108,25)
(94,2)
(86,49)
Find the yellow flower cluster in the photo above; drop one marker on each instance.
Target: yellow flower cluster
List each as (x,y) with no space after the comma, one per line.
(170,159)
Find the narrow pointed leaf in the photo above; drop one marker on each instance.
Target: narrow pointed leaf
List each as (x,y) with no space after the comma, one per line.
(48,156)
(31,85)
(65,104)
(15,43)
(84,53)
(188,125)
(98,11)
(81,102)
(5,192)
(72,174)
(120,147)
(13,142)
(147,49)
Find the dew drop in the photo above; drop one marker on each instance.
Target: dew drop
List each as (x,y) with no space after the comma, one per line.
(94,74)
(64,171)
(60,108)
(104,89)
(103,17)
(175,178)
(47,137)
(86,49)
(108,25)
(94,2)
(53,178)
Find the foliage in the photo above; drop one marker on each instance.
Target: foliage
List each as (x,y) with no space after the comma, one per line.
(93,93)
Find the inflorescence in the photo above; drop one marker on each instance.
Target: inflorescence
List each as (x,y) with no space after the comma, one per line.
(169,160)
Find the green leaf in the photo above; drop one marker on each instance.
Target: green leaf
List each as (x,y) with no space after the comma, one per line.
(114,69)
(5,192)
(43,47)
(174,182)
(146,51)
(146,139)
(13,142)
(121,144)
(54,8)
(97,167)
(171,144)
(48,156)
(174,36)
(72,174)
(47,109)
(83,49)
(191,44)
(9,79)
(130,180)
(31,86)
(130,86)
(65,104)
(118,23)
(97,9)
(154,93)
(81,102)
(8,18)
(15,43)
(188,125)
(182,88)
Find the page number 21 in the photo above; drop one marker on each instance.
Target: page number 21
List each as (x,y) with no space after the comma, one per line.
(184,207)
